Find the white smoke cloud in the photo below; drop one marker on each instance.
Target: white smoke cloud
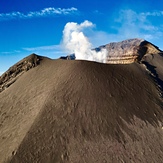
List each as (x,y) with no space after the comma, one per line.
(74,41)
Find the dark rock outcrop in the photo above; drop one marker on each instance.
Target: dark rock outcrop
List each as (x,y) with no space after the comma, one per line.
(68,57)
(11,75)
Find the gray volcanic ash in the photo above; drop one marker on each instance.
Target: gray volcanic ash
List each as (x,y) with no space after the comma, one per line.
(82,111)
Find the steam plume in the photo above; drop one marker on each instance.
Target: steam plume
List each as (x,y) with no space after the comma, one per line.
(75,42)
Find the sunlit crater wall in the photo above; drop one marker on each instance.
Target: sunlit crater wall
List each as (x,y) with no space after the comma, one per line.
(128,51)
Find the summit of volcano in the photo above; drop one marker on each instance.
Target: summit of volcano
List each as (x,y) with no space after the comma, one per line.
(84,111)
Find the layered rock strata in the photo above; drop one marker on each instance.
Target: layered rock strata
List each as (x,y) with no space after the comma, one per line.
(125,52)
(128,51)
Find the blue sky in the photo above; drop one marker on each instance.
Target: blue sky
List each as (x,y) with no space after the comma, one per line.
(32,26)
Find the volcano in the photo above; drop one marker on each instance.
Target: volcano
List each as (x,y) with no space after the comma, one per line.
(82,111)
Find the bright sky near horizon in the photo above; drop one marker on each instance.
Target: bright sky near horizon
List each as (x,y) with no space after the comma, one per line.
(32,26)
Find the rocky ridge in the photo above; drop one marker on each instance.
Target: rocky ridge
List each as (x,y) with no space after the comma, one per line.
(14,72)
(124,52)
(128,51)
(80,111)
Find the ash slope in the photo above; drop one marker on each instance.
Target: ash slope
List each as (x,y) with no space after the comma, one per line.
(80,111)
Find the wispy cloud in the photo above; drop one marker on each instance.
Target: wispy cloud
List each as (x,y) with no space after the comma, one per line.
(127,24)
(52,51)
(10,52)
(130,23)
(42,13)
(154,13)
(43,48)
(97,12)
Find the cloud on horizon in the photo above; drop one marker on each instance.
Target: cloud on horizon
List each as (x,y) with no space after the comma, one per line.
(51,11)
(52,51)
(154,13)
(43,48)
(130,23)
(127,24)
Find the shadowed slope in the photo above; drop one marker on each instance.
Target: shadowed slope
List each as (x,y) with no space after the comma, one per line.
(79,111)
